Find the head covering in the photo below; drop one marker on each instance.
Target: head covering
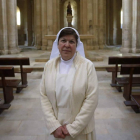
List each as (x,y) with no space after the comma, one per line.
(79,48)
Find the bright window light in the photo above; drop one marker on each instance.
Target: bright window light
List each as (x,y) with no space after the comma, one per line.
(18,16)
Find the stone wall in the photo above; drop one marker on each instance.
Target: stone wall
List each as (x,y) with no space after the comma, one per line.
(97,21)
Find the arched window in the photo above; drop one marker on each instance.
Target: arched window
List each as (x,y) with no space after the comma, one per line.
(121,19)
(18,16)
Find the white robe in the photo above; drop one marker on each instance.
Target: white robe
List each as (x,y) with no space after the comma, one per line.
(84,97)
(63,90)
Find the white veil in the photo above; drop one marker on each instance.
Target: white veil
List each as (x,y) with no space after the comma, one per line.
(79,48)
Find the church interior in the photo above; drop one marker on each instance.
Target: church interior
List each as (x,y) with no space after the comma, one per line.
(107,28)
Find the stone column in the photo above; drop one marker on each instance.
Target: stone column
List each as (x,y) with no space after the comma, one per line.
(83,17)
(33,34)
(95,25)
(136,27)
(21,35)
(119,29)
(29,23)
(127,26)
(49,22)
(107,22)
(44,24)
(89,24)
(56,20)
(58,16)
(110,22)
(54,12)
(83,20)
(37,26)
(3,28)
(61,4)
(117,33)
(115,22)
(12,26)
(101,23)
(78,16)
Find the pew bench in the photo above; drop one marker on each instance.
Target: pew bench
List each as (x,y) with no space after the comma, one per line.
(136,99)
(20,61)
(134,103)
(7,86)
(3,107)
(118,60)
(124,82)
(128,83)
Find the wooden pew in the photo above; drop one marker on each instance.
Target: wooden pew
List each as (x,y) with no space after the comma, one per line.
(118,60)
(8,85)
(130,82)
(23,71)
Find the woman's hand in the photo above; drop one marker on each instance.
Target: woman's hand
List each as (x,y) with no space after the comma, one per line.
(58,133)
(65,131)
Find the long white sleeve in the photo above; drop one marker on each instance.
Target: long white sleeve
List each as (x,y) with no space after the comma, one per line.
(88,107)
(51,121)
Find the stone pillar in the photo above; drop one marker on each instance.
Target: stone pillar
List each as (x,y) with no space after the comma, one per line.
(136,27)
(115,22)
(110,22)
(25,23)
(57,20)
(83,20)
(58,16)
(119,29)
(78,16)
(127,26)
(21,36)
(29,23)
(61,4)
(44,24)
(83,17)
(101,23)
(117,32)
(33,34)
(49,22)
(54,13)
(90,23)
(3,28)
(107,22)
(12,26)
(37,26)
(95,25)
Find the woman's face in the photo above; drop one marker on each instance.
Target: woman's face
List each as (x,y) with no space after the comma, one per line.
(67,46)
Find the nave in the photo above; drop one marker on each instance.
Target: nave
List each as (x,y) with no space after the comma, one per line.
(24,119)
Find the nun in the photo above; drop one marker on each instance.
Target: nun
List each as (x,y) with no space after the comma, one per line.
(69,90)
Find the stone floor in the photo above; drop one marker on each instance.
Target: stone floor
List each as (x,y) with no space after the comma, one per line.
(24,120)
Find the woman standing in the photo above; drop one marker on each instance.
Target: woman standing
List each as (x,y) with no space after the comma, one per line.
(69,90)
